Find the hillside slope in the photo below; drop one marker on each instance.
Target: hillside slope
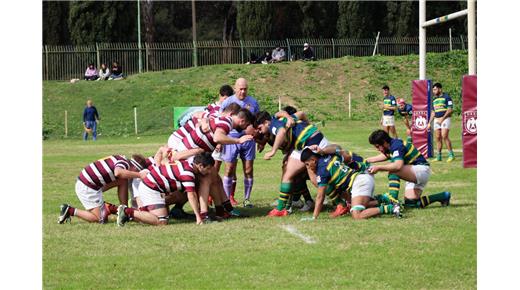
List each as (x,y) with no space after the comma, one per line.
(320,88)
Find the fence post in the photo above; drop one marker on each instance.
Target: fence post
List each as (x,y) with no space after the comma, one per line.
(289,56)
(97,55)
(333,49)
(375,45)
(135,119)
(241,51)
(146,54)
(194,53)
(349,105)
(462,42)
(451,46)
(46,63)
(66,127)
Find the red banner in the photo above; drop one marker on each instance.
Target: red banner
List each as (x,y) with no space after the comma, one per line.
(469,120)
(421,104)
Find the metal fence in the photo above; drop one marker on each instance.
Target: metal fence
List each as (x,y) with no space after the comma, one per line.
(67,62)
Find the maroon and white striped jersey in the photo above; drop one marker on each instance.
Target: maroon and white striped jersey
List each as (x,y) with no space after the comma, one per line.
(199,139)
(101,172)
(150,161)
(172,177)
(213,108)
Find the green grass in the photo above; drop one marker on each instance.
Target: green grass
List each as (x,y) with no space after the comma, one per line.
(434,248)
(320,88)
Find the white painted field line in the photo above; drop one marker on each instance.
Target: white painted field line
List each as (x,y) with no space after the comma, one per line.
(292,230)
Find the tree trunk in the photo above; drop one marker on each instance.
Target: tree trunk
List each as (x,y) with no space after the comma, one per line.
(149,29)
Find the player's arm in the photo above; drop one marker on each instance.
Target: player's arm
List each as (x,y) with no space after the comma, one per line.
(312,177)
(378,158)
(124,173)
(161,155)
(320,197)
(194,203)
(390,167)
(186,154)
(280,138)
(431,119)
(221,137)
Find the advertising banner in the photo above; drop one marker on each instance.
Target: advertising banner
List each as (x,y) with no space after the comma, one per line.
(469,121)
(421,103)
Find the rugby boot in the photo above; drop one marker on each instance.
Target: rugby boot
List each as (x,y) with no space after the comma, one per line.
(64,214)
(340,210)
(276,212)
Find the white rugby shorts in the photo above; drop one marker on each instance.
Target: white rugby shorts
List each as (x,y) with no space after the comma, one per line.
(422,174)
(388,120)
(363,185)
(149,196)
(89,197)
(446,124)
(296,154)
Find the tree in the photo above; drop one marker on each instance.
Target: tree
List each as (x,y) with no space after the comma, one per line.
(91,22)
(254,20)
(55,29)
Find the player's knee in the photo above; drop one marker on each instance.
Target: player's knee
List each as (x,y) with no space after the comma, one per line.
(356,211)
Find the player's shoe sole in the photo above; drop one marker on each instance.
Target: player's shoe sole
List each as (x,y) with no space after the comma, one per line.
(122,218)
(64,214)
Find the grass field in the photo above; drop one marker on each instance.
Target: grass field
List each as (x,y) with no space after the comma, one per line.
(433,248)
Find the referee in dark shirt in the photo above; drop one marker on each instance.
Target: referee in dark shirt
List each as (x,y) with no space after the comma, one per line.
(90,120)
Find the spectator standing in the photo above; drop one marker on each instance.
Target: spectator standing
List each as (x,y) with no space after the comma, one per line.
(117,71)
(90,121)
(104,72)
(91,73)
(308,52)
(278,55)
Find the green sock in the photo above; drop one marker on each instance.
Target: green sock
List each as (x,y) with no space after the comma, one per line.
(450,154)
(394,184)
(412,203)
(388,209)
(409,139)
(439,156)
(429,199)
(285,189)
(383,198)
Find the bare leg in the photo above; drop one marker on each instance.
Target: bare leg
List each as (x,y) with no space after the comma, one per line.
(446,138)
(91,215)
(151,217)
(122,191)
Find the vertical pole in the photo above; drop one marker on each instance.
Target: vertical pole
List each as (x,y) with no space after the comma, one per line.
(194,32)
(472,34)
(135,120)
(98,59)
(375,45)
(422,40)
(462,42)
(451,44)
(46,63)
(146,55)
(279,103)
(349,97)
(241,51)
(289,55)
(333,49)
(139,35)
(66,127)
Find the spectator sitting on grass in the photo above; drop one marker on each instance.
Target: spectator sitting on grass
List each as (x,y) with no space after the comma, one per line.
(117,72)
(265,58)
(278,55)
(91,73)
(308,52)
(104,72)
